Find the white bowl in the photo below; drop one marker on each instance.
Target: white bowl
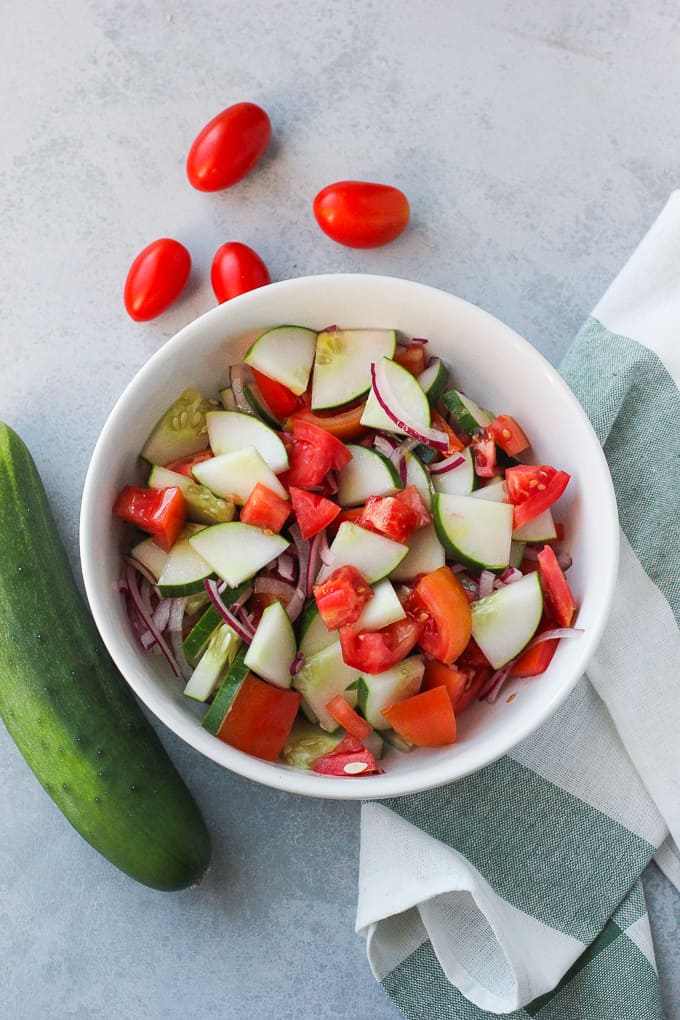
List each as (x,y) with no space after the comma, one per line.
(490,362)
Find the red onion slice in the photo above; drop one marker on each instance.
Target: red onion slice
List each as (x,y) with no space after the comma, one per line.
(237,378)
(142,569)
(556,634)
(282,590)
(227,615)
(399,415)
(141,608)
(286,566)
(161,614)
(486,580)
(448,464)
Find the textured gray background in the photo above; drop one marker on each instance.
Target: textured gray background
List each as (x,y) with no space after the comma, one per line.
(536,141)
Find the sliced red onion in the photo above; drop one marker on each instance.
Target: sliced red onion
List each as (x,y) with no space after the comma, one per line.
(319,541)
(486,580)
(403,341)
(294,607)
(458,568)
(384,444)
(280,589)
(175,623)
(237,377)
(176,617)
(331,486)
(246,619)
(139,603)
(324,549)
(142,569)
(296,664)
(497,682)
(227,615)
(509,576)
(564,560)
(530,553)
(399,416)
(557,633)
(161,614)
(448,464)
(286,566)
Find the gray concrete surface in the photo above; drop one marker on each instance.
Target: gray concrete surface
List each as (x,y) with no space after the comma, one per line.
(536,142)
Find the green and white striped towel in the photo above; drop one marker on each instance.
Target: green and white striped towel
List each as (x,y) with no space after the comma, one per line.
(516,890)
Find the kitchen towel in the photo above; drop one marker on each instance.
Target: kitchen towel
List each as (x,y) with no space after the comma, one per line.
(517,890)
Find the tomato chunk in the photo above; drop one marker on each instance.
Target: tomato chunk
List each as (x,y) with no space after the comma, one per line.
(265,509)
(542,498)
(346,717)
(312,511)
(456,444)
(349,758)
(426,719)
(260,718)
(508,435)
(160,512)
(344,424)
(279,399)
(484,453)
(462,683)
(411,498)
(534,661)
(373,651)
(411,357)
(439,602)
(342,596)
(555,587)
(185,464)
(313,453)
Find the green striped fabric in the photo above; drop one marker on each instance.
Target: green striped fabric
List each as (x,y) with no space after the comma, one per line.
(531,903)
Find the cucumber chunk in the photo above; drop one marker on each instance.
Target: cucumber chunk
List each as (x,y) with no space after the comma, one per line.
(184,570)
(368,473)
(236,474)
(217,657)
(314,634)
(307,742)
(381,610)
(407,392)
(476,532)
(541,529)
(495,490)
(196,641)
(286,354)
(231,430)
(373,555)
(468,415)
(236,551)
(459,481)
(203,506)
(425,554)
(342,367)
(226,695)
(273,648)
(378,690)
(323,675)
(151,557)
(181,431)
(434,379)
(417,475)
(504,622)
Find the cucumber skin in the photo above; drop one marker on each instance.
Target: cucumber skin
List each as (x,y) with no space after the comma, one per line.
(68,709)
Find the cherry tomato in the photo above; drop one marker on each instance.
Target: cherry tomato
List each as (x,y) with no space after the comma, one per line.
(361,215)
(228,147)
(236,269)
(156,278)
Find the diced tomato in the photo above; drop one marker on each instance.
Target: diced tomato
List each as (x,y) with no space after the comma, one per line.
(184,466)
(388,516)
(352,513)
(344,424)
(265,509)
(279,399)
(556,590)
(342,596)
(484,453)
(473,655)
(411,357)
(541,493)
(508,435)
(346,717)
(535,660)
(160,512)
(349,758)
(426,719)
(373,651)
(411,497)
(313,511)
(456,444)
(260,718)
(314,452)
(462,684)
(439,602)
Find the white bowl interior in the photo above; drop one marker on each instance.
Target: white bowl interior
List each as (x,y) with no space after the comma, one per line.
(490,362)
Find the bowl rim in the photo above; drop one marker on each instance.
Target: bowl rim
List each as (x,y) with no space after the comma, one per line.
(277,775)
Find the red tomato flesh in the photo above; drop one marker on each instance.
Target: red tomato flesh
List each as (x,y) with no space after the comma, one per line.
(425,719)
(346,717)
(536,660)
(184,466)
(411,357)
(156,278)
(541,499)
(314,452)
(313,511)
(373,651)
(439,602)
(265,509)
(462,683)
(360,214)
(555,587)
(349,758)
(345,425)
(260,718)
(235,270)
(508,435)
(484,453)
(342,596)
(160,512)
(279,399)
(228,147)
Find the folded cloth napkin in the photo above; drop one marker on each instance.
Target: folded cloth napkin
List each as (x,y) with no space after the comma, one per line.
(517,890)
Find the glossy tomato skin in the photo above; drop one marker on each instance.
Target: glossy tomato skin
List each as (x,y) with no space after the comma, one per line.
(235,270)
(228,147)
(360,214)
(156,278)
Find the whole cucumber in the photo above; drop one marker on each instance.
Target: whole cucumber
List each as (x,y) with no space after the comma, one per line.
(69,710)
